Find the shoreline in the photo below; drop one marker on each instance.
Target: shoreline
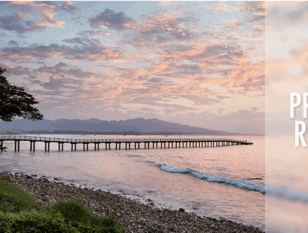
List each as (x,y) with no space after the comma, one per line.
(131,215)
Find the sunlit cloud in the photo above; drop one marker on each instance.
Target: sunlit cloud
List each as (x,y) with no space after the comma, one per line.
(41,13)
(256,11)
(170,61)
(218,7)
(286,54)
(110,19)
(72,49)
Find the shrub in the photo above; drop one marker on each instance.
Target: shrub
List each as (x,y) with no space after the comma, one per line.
(20,213)
(34,221)
(13,199)
(74,211)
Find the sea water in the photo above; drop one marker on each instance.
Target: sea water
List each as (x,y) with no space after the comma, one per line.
(227,182)
(286,185)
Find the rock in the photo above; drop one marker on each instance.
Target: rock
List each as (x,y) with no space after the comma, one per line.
(132,216)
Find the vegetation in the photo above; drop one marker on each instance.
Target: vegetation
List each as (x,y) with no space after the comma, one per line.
(12,199)
(15,102)
(20,213)
(3,148)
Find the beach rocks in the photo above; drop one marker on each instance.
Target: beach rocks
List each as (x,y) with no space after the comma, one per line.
(131,215)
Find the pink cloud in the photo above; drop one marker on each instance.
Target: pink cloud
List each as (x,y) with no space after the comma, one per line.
(45,11)
(256,11)
(111,19)
(218,7)
(91,50)
(163,55)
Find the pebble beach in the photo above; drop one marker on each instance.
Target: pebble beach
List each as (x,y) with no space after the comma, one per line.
(131,215)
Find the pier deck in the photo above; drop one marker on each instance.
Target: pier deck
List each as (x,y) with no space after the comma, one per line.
(151,143)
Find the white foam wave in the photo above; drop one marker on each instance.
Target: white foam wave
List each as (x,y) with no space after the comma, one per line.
(174,169)
(238,183)
(287,193)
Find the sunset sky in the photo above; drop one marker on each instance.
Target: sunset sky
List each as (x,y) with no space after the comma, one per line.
(286,63)
(195,63)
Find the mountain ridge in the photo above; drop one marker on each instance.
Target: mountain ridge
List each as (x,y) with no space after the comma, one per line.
(140,125)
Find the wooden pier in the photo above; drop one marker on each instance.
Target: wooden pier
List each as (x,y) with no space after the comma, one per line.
(126,144)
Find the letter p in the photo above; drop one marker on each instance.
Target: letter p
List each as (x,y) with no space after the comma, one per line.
(294,104)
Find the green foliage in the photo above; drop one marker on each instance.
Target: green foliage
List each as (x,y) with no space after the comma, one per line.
(16,102)
(13,199)
(74,211)
(3,148)
(20,213)
(35,221)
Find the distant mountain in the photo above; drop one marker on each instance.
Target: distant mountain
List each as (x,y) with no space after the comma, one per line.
(133,125)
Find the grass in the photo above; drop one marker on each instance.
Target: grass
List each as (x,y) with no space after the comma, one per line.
(20,213)
(14,200)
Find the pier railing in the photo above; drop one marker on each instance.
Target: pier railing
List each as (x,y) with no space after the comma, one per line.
(68,140)
(147,142)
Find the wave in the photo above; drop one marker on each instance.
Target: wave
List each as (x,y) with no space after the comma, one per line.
(268,189)
(287,193)
(238,183)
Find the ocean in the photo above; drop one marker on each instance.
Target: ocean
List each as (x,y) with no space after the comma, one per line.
(286,185)
(220,182)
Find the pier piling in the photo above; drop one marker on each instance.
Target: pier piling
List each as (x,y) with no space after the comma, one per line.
(154,143)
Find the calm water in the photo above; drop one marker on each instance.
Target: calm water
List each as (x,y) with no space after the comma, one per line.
(286,186)
(218,182)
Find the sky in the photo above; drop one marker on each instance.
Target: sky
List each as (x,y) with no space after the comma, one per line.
(286,58)
(286,46)
(195,63)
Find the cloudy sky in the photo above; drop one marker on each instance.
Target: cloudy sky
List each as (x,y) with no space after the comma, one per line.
(195,63)
(286,62)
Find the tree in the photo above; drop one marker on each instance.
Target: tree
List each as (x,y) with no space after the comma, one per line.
(15,102)
(3,148)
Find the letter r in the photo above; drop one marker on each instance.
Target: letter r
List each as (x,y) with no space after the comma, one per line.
(299,134)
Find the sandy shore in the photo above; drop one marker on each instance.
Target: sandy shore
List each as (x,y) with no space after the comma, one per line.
(131,215)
